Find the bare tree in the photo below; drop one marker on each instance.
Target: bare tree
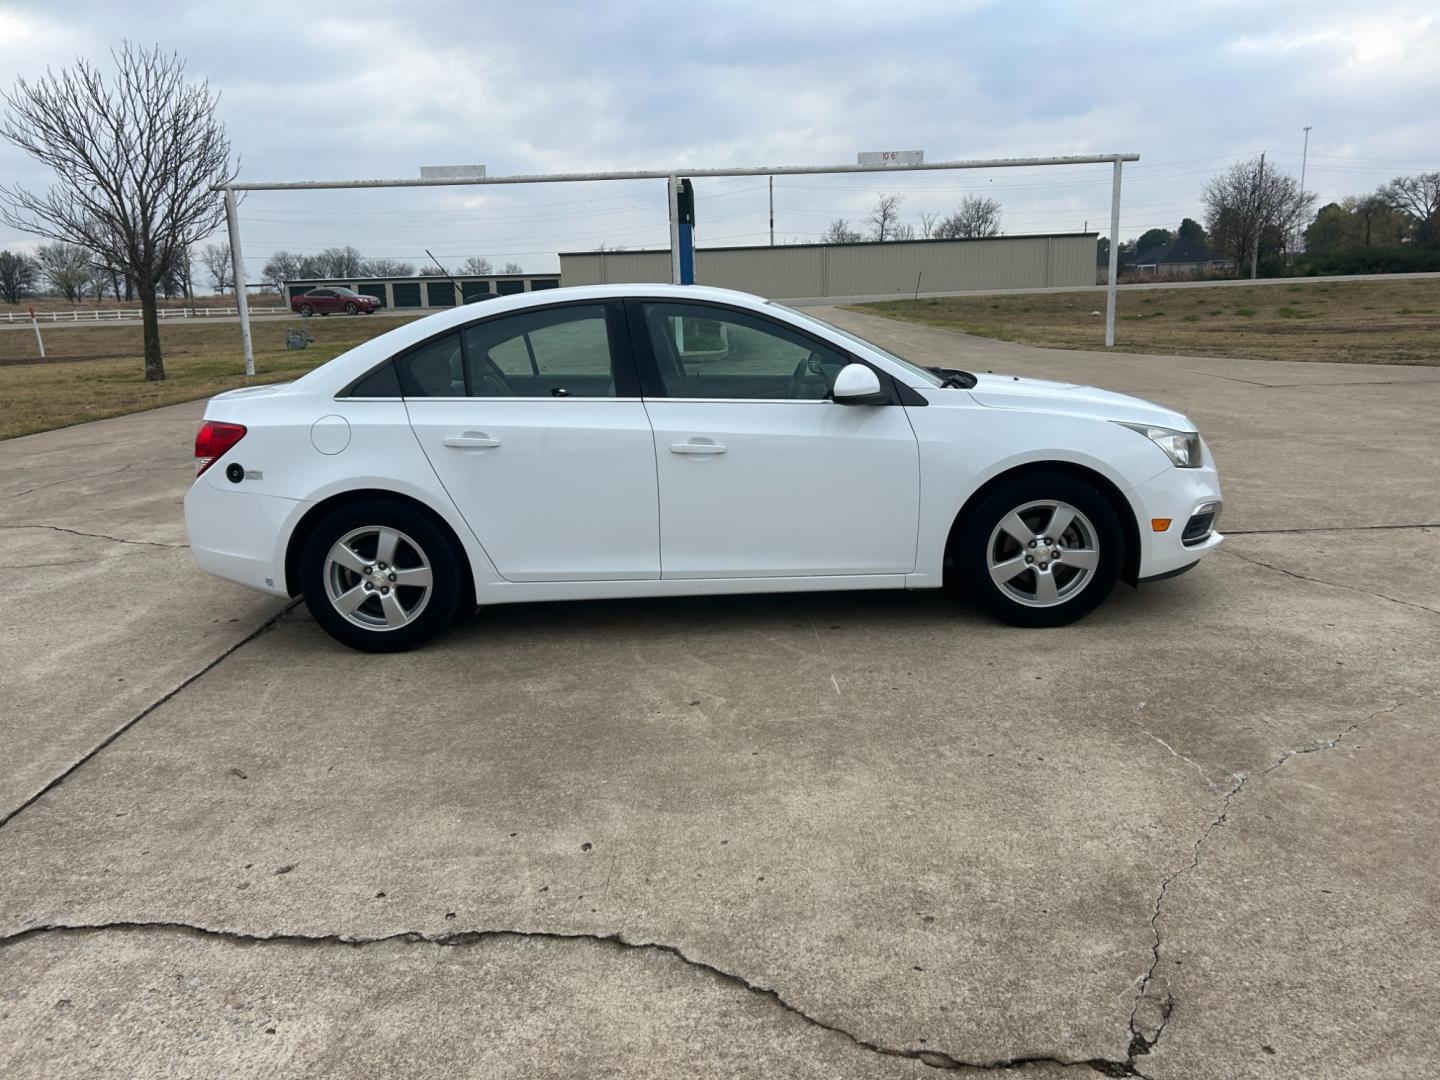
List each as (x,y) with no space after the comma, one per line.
(839,232)
(135,158)
(387,268)
(98,280)
(340,262)
(18,274)
(885,217)
(513,268)
(477,265)
(1376,219)
(903,231)
(282,266)
(215,258)
(928,223)
(1418,198)
(1248,204)
(975,217)
(66,267)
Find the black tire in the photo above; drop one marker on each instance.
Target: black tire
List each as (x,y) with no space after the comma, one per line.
(350,308)
(419,534)
(306,310)
(981,533)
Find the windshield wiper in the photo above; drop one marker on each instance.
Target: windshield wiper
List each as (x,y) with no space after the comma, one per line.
(953,377)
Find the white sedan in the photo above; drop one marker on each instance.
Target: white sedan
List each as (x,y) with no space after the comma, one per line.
(662,440)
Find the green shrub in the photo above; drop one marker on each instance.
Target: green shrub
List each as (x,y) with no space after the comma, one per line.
(1371,260)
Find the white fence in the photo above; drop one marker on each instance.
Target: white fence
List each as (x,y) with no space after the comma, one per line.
(133,314)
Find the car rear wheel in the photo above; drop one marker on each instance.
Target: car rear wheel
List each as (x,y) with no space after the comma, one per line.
(350,308)
(1042,550)
(306,310)
(380,576)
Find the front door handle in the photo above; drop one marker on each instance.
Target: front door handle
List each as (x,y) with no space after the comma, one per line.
(471,441)
(696,448)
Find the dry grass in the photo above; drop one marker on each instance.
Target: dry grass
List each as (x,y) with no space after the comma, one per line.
(1379,322)
(108,378)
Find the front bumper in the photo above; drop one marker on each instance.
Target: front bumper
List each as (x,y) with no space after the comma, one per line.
(240,535)
(1184,496)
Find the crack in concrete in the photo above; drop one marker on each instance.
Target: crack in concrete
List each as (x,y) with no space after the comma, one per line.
(1139,710)
(935,1059)
(1327,528)
(1143,1041)
(1143,1038)
(97,536)
(1322,745)
(1333,584)
(56,781)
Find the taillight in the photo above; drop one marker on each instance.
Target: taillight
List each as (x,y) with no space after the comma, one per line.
(212,441)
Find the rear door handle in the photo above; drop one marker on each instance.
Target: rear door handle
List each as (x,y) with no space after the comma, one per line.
(468,441)
(696,448)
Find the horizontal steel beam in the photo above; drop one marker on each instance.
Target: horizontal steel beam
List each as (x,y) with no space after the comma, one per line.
(665,174)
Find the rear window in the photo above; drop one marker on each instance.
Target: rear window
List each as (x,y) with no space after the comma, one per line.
(380,383)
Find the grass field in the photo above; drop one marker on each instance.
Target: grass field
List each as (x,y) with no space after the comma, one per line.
(1380,322)
(105,376)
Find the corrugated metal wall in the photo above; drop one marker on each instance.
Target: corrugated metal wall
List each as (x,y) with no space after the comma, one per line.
(796,271)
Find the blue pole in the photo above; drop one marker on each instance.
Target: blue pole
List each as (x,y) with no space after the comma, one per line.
(687,254)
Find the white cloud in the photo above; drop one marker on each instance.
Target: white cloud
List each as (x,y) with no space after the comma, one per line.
(583,86)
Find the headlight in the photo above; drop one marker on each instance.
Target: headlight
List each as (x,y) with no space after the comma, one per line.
(1181,447)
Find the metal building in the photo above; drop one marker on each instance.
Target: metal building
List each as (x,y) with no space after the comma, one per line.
(429,292)
(794,271)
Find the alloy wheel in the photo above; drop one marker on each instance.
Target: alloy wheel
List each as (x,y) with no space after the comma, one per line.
(1042,553)
(378,578)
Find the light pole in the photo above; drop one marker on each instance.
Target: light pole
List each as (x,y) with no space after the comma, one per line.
(1304,156)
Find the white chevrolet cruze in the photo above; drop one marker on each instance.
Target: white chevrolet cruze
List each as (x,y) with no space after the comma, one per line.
(661,440)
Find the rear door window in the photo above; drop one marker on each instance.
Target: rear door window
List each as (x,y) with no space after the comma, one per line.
(432,369)
(555,352)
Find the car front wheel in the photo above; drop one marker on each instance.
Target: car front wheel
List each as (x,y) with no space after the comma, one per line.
(1044,549)
(379,576)
(306,310)
(350,308)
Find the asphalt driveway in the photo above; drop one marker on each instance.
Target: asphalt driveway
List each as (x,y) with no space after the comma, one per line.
(833,835)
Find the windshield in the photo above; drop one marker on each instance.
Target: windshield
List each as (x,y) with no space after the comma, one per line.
(341,291)
(928,377)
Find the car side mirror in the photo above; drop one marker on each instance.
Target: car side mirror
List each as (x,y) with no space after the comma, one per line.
(858,385)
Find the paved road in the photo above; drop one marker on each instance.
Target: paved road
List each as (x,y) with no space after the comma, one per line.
(830,836)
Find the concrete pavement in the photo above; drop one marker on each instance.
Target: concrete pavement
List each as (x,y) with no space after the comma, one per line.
(846,835)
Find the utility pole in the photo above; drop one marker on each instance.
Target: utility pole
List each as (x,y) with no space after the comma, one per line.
(772,209)
(1260,219)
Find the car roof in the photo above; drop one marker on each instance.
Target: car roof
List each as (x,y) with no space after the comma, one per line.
(348,366)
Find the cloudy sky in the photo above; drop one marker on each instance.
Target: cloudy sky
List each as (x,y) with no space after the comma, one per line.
(322,91)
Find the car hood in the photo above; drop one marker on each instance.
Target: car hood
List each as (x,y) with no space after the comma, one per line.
(1044,395)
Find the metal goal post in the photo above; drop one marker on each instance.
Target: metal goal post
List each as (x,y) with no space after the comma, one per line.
(672,178)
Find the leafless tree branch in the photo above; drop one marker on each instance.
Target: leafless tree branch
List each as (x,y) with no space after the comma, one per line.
(135,159)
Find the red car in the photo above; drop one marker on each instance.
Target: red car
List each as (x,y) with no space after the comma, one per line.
(334,298)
